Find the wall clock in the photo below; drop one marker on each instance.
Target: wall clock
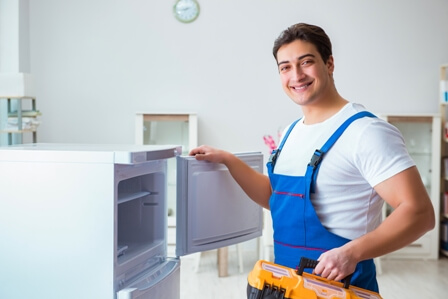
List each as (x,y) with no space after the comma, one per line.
(186,11)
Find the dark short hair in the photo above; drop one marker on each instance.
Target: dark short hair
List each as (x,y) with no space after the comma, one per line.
(305,32)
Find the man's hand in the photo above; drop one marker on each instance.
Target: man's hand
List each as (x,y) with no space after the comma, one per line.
(210,154)
(335,264)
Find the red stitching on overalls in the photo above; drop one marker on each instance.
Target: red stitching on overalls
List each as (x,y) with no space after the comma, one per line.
(301,247)
(289,193)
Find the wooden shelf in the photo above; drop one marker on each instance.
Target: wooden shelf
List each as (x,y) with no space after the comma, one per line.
(18,131)
(17,98)
(413,119)
(166,117)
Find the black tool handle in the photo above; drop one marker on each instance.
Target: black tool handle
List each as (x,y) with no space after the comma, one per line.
(309,263)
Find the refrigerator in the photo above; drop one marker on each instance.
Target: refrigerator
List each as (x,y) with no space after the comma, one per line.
(90,221)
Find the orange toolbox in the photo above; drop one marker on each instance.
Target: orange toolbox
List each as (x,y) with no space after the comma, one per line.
(269,280)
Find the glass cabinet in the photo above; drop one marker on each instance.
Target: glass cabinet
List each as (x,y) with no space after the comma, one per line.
(422,138)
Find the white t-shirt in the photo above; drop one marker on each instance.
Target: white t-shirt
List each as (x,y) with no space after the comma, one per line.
(369,151)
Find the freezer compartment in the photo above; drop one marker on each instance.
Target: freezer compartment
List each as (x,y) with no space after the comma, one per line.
(162,281)
(213,210)
(140,215)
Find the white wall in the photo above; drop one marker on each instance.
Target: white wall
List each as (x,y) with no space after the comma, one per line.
(14,57)
(14,36)
(97,62)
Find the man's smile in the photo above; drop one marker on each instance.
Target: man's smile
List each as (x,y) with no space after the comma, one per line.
(301,87)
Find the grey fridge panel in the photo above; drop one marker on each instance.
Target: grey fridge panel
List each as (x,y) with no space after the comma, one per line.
(212,209)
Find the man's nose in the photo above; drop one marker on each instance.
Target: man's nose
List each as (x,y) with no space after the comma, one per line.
(299,74)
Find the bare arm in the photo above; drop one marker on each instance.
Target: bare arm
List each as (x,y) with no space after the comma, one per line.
(256,185)
(412,217)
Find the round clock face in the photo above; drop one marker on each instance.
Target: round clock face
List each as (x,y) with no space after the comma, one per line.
(186,10)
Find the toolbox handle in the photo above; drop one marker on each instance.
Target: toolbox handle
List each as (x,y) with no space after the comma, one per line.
(309,263)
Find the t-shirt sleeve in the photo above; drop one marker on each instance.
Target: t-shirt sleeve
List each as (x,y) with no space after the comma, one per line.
(381,152)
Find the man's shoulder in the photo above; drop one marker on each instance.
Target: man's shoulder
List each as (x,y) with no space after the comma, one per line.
(351,109)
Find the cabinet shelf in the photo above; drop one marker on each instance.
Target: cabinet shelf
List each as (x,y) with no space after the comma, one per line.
(25,113)
(424,154)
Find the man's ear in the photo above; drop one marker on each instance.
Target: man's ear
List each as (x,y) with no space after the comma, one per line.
(330,64)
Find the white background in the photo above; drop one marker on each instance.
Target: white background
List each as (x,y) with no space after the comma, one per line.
(97,62)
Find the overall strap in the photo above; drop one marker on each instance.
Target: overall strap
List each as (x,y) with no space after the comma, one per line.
(275,153)
(317,157)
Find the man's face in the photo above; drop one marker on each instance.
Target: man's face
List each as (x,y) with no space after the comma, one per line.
(305,77)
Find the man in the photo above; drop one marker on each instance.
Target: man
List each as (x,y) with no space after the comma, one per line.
(326,203)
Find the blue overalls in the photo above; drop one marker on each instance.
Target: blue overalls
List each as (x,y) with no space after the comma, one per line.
(297,229)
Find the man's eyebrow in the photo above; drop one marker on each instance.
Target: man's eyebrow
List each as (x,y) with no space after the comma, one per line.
(299,58)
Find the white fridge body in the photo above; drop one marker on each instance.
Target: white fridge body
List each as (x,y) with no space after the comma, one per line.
(90,221)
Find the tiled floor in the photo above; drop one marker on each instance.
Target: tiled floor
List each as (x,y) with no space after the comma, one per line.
(401,279)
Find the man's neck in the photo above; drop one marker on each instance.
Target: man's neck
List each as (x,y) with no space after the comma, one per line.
(318,113)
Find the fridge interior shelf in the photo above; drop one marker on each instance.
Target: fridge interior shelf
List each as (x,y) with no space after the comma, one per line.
(135,249)
(140,210)
(124,197)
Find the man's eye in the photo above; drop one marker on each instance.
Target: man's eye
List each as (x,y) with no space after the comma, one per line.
(284,68)
(305,62)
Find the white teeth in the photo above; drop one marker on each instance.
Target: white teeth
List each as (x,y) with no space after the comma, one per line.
(301,87)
